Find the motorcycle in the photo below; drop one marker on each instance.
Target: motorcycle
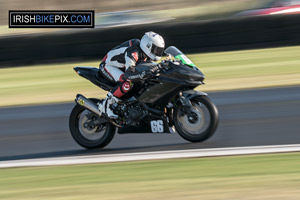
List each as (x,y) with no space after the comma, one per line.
(163,103)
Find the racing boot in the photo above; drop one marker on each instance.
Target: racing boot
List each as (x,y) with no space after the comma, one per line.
(104,107)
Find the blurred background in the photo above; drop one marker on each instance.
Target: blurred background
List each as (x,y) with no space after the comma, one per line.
(117,12)
(195,27)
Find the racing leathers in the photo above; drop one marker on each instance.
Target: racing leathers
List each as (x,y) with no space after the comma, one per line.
(118,66)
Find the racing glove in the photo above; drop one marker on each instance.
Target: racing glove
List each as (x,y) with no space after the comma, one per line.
(135,76)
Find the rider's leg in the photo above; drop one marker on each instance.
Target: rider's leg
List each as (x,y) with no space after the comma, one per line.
(111,73)
(117,75)
(124,86)
(113,97)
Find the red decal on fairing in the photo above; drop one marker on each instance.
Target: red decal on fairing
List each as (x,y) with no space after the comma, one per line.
(135,56)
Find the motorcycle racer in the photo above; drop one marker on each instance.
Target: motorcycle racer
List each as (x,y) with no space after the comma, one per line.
(118,66)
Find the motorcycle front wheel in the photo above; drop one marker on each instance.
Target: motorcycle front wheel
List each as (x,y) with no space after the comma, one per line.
(202,122)
(86,129)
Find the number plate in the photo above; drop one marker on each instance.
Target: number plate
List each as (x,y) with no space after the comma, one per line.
(157,126)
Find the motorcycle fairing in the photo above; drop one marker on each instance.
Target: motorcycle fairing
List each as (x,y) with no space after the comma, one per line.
(153,126)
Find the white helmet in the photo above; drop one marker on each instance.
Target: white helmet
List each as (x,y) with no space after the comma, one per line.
(153,45)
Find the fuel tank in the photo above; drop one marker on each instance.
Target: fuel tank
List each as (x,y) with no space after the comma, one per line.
(172,79)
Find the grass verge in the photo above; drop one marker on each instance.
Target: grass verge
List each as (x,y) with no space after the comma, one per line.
(262,177)
(223,71)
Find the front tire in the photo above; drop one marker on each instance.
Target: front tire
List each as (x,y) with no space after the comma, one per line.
(201,125)
(89,137)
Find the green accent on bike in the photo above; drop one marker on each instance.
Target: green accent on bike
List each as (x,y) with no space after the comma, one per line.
(185,60)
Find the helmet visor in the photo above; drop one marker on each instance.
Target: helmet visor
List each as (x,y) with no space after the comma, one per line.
(158,51)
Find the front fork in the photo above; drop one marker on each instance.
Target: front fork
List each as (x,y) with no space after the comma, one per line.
(186,105)
(184,99)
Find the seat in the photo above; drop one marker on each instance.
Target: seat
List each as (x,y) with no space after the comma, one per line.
(93,75)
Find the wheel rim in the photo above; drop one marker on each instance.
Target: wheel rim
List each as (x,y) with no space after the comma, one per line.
(90,133)
(198,122)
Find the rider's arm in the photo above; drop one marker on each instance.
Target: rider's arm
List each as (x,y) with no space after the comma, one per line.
(131,59)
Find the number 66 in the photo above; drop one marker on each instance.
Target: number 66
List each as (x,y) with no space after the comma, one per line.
(157,126)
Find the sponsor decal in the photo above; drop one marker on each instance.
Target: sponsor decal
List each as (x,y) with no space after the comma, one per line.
(81,102)
(135,56)
(51,19)
(141,76)
(126,86)
(104,72)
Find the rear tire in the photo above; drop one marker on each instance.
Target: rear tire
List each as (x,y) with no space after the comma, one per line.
(200,127)
(90,138)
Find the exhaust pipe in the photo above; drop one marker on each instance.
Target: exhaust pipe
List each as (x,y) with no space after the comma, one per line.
(88,104)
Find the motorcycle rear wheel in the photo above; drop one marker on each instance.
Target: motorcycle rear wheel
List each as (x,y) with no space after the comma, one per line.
(89,137)
(203,122)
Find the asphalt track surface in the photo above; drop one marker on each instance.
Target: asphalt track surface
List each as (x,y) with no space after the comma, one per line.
(247,118)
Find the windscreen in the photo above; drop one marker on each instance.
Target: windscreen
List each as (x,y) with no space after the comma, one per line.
(177,54)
